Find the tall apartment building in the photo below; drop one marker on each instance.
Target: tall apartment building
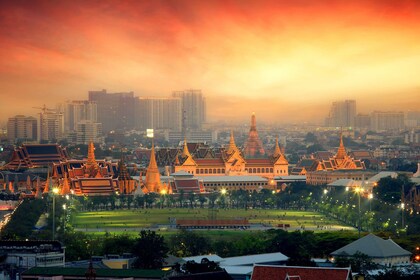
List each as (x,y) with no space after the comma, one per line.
(22,128)
(382,121)
(115,110)
(159,113)
(193,108)
(362,121)
(412,119)
(51,126)
(78,110)
(87,131)
(341,114)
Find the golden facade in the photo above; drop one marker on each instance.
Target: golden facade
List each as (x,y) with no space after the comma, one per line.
(231,162)
(325,161)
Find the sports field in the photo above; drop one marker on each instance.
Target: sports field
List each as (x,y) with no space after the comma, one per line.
(134,220)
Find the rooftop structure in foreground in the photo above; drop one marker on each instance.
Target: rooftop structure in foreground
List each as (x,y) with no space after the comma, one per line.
(264,272)
(383,252)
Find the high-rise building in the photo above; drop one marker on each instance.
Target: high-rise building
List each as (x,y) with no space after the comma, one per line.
(115,110)
(362,121)
(412,119)
(88,131)
(159,113)
(51,126)
(382,121)
(76,111)
(193,108)
(341,114)
(22,128)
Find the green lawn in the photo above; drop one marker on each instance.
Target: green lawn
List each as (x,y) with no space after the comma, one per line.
(133,220)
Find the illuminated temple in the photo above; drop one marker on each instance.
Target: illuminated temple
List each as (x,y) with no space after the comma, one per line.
(92,177)
(231,161)
(325,161)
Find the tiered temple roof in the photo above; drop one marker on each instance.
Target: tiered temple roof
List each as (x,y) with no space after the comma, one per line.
(92,177)
(35,155)
(324,160)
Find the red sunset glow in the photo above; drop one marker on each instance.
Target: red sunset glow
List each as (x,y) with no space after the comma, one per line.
(285,60)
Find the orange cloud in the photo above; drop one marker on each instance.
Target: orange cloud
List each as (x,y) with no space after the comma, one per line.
(287,58)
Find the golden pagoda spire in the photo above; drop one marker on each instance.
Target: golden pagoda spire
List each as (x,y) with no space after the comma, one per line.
(152,174)
(48,182)
(185,151)
(91,164)
(232,146)
(341,152)
(277,151)
(253,122)
(65,189)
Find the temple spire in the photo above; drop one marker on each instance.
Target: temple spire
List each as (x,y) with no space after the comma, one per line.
(65,189)
(341,152)
(91,161)
(253,146)
(277,151)
(232,146)
(185,151)
(152,174)
(253,122)
(91,164)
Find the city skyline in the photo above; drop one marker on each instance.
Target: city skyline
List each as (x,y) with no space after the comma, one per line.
(274,58)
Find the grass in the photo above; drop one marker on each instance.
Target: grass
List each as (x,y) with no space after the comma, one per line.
(131,221)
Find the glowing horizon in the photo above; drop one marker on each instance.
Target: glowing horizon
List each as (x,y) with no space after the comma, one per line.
(285,61)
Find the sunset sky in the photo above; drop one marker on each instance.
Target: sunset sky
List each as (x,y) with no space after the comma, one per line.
(285,60)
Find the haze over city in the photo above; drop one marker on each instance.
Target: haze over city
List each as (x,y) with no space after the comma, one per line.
(285,61)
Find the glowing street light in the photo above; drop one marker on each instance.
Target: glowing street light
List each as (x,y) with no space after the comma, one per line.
(358,190)
(370,196)
(402,214)
(54,193)
(223,191)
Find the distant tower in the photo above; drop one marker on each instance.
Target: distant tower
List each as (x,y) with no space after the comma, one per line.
(92,167)
(253,146)
(153,182)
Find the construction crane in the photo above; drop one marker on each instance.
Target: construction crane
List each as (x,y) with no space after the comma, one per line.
(44,109)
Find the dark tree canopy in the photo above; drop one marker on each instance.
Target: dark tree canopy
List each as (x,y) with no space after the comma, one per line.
(150,250)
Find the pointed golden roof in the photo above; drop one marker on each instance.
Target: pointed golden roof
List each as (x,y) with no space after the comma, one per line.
(341,152)
(232,146)
(47,184)
(65,189)
(91,161)
(152,174)
(277,151)
(185,151)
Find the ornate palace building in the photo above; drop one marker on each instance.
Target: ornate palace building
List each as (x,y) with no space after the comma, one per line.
(91,177)
(230,161)
(326,161)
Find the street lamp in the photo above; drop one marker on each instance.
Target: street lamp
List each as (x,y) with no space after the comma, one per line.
(370,201)
(402,214)
(55,191)
(358,190)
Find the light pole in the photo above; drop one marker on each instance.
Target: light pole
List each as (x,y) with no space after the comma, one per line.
(402,214)
(54,192)
(358,190)
(370,201)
